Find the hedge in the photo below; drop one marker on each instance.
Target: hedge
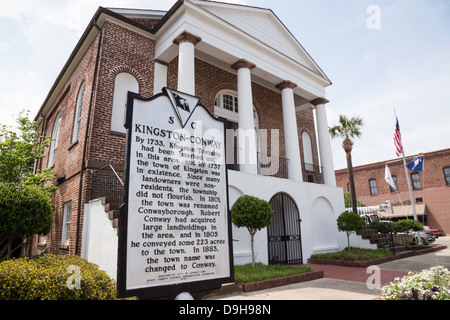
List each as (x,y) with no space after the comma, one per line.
(53,277)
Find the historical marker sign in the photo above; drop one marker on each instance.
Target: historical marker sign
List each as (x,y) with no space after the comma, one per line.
(174,226)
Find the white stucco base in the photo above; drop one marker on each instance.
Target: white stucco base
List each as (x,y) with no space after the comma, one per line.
(100,240)
(319,206)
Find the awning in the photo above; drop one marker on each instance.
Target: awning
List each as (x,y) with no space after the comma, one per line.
(404,211)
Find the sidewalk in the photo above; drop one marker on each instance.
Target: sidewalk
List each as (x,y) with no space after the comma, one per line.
(339,283)
(348,283)
(356,274)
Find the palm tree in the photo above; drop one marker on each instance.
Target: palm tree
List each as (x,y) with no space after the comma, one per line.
(347,130)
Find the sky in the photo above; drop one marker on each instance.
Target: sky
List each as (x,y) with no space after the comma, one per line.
(380,55)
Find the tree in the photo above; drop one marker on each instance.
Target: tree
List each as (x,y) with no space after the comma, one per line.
(349,222)
(348,129)
(25,208)
(19,152)
(252,213)
(348,201)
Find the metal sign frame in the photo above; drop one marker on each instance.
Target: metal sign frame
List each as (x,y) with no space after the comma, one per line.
(166,290)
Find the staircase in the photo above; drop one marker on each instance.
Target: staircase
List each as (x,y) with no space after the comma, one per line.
(113,214)
(107,185)
(382,240)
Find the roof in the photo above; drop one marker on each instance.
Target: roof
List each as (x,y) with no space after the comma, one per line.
(258,24)
(264,26)
(404,211)
(382,164)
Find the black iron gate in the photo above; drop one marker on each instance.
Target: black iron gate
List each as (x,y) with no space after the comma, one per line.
(284,236)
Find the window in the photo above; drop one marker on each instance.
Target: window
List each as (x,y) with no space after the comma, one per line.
(307,152)
(447,175)
(66,222)
(54,144)
(373,186)
(228,101)
(416,181)
(226,106)
(394,179)
(124,82)
(76,126)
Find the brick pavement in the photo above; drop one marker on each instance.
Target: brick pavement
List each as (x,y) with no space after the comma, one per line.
(355,274)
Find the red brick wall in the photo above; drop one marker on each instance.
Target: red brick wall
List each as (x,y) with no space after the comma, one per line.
(122,51)
(435,192)
(125,51)
(210,80)
(69,153)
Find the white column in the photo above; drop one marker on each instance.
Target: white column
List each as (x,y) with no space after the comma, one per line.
(323,135)
(291,143)
(186,61)
(247,156)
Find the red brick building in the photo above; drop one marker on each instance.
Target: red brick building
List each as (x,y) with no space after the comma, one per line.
(431,187)
(139,50)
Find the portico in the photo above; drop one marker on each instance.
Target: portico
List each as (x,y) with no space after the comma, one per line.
(293,99)
(211,40)
(245,66)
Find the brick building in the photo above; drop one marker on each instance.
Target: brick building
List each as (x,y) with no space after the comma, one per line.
(431,188)
(244,65)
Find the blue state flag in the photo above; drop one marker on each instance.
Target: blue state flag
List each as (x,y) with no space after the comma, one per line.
(416,164)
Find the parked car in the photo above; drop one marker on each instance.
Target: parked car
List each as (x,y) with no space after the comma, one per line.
(426,237)
(368,218)
(436,232)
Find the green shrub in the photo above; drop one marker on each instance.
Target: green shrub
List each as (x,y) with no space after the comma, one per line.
(384,227)
(52,277)
(252,213)
(349,222)
(25,210)
(405,225)
(355,254)
(399,226)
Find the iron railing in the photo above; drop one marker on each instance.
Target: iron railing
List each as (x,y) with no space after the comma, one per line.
(107,183)
(385,236)
(269,166)
(272,166)
(312,173)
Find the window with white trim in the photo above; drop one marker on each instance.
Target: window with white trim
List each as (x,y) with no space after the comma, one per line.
(76,126)
(54,143)
(447,175)
(124,82)
(417,185)
(373,186)
(66,222)
(226,105)
(307,152)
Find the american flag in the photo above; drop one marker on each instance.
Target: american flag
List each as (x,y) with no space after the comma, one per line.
(398,139)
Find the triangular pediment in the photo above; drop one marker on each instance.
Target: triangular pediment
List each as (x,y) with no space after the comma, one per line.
(264,26)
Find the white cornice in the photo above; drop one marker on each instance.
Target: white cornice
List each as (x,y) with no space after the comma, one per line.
(225,42)
(200,6)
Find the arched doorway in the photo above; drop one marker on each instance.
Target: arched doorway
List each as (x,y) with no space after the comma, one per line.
(284,234)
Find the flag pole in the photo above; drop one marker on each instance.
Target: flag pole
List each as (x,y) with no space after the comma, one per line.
(423,188)
(408,179)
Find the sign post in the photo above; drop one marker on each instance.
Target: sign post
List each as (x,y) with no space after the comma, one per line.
(174,226)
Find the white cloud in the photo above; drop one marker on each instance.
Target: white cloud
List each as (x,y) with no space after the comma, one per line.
(3,46)
(373,71)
